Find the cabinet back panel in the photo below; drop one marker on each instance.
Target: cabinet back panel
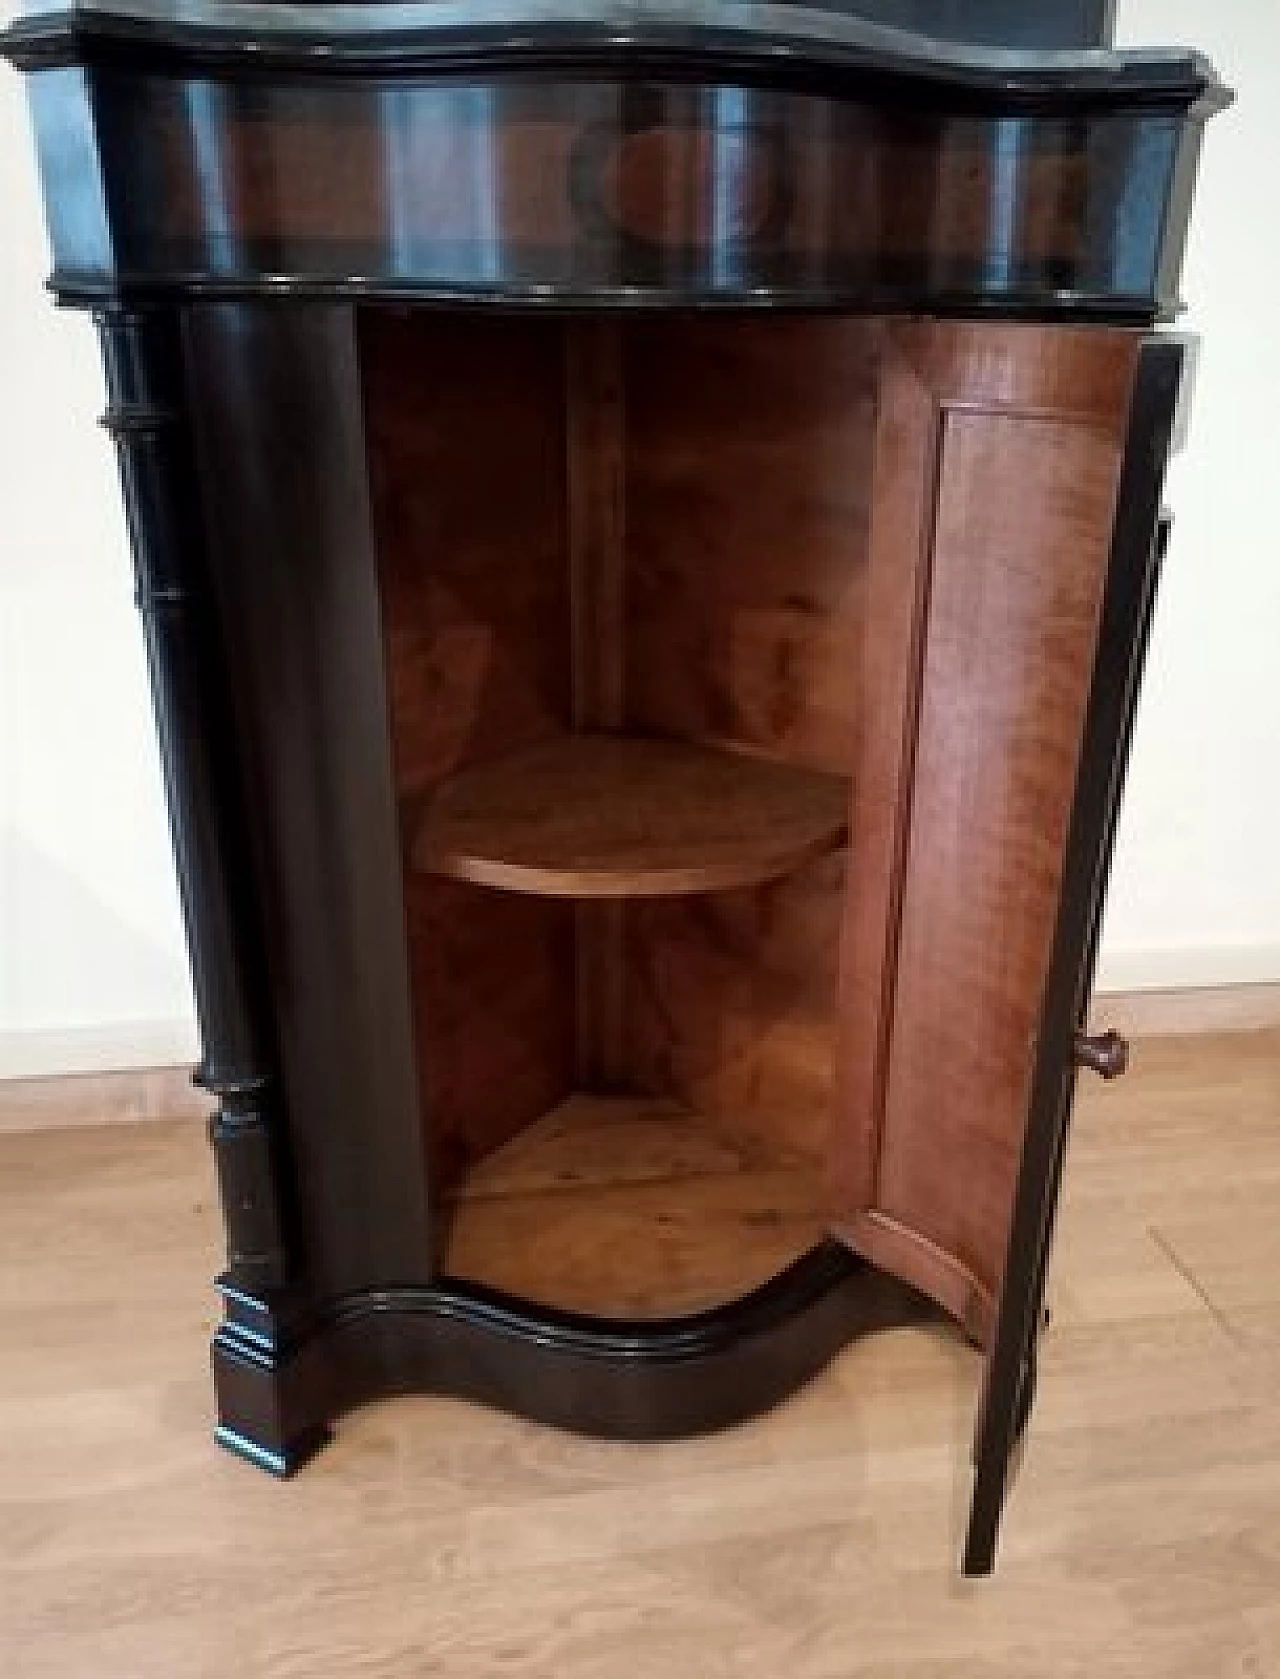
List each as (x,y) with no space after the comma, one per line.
(465,427)
(748,461)
(730,1004)
(747,491)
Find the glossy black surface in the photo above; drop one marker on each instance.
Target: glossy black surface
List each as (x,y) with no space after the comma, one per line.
(1006,54)
(605,152)
(1034,25)
(280,445)
(596,192)
(149,420)
(1126,618)
(634,1381)
(1005,23)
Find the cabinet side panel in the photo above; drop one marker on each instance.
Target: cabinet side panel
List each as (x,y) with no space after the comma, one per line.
(1023,517)
(465,420)
(275,397)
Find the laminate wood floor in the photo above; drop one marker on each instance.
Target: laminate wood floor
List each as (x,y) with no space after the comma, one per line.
(433,1538)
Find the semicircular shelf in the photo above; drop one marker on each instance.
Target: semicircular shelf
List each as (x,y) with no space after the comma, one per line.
(605,816)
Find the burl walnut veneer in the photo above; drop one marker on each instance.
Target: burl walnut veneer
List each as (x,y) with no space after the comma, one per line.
(646,519)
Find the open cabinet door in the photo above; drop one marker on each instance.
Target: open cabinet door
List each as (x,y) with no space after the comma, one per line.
(993,628)
(997,466)
(1137,552)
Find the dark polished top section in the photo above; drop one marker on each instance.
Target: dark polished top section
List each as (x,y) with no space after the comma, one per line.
(998,23)
(1019,24)
(782,41)
(606,153)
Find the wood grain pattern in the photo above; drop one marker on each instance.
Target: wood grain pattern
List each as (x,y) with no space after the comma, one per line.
(1012,623)
(630,1208)
(731,1005)
(748,455)
(607,816)
(735,561)
(904,493)
(748,484)
(467,477)
(595,442)
(1002,509)
(492,977)
(818,1540)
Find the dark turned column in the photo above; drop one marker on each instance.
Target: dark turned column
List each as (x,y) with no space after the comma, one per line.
(142,351)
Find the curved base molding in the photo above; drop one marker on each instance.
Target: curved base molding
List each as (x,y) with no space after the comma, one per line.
(615,1379)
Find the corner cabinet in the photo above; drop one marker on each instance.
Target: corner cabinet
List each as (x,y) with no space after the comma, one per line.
(646,521)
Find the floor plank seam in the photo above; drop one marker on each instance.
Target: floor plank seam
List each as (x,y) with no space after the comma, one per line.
(1193,1282)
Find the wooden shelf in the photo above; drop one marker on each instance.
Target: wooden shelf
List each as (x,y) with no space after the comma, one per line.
(606,816)
(631,1207)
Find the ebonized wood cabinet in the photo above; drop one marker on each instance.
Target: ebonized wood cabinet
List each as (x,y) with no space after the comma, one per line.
(646,520)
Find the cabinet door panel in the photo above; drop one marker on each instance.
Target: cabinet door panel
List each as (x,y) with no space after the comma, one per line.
(1136,552)
(995,493)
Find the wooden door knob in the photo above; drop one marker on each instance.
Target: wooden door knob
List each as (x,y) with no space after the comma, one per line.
(1104,1053)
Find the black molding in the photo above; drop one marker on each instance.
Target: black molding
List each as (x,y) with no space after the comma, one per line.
(175,182)
(619,1379)
(1136,552)
(144,374)
(91,291)
(609,39)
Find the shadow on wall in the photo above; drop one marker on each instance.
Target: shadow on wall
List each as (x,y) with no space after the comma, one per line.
(76,950)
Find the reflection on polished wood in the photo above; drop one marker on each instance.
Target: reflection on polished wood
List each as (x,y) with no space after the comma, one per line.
(817,1541)
(608,157)
(601,816)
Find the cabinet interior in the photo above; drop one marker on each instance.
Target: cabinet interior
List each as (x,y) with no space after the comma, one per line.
(622,570)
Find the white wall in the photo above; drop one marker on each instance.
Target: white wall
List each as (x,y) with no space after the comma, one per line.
(92,966)
(1195,898)
(92,970)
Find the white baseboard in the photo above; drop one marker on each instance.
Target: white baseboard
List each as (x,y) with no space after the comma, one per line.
(80,1099)
(1202,969)
(132,1070)
(118,1046)
(1182,1011)
(1147,993)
